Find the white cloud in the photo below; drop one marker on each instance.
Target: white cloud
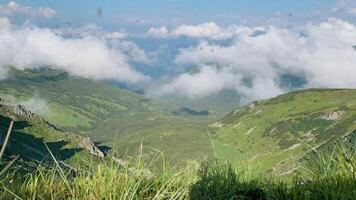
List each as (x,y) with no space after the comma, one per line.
(205,30)
(208,30)
(344,6)
(207,81)
(35,104)
(116,40)
(5,22)
(86,56)
(83,31)
(159,32)
(91,30)
(352,11)
(254,64)
(116,35)
(13,8)
(133,52)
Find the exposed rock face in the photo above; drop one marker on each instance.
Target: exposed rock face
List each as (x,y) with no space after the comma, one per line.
(23,111)
(252,106)
(333,115)
(216,125)
(19,110)
(250,131)
(120,162)
(236,111)
(309,136)
(91,147)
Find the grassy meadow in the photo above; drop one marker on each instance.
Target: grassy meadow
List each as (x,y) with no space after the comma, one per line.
(331,176)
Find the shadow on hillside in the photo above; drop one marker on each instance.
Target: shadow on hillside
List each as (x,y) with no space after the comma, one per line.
(29,147)
(103,148)
(221,182)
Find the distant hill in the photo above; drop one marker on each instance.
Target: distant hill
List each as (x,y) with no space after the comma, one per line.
(108,114)
(218,104)
(188,111)
(276,131)
(73,103)
(271,133)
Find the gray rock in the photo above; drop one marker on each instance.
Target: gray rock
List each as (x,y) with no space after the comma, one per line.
(23,111)
(333,115)
(91,147)
(120,162)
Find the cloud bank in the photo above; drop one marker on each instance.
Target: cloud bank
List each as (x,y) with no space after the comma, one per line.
(255,65)
(87,55)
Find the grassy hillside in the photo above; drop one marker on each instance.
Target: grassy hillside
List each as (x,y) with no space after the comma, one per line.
(276,133)
(273,134)
(109,114)
(33,139)
(216,104)
(73,103)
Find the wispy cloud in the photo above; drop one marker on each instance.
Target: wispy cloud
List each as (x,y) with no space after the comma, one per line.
(13,8)
(352,11)
(5,22)
(35,104)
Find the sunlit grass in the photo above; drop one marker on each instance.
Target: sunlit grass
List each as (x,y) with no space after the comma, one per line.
(332,176)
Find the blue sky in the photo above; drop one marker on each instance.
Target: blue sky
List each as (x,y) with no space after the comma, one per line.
(144,13)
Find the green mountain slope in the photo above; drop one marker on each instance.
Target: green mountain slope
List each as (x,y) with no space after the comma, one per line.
(277,132)
(73,103)
(271,133)
(32,138)
(109,114)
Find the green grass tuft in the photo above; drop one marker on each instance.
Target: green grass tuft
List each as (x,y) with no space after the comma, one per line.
(332,177)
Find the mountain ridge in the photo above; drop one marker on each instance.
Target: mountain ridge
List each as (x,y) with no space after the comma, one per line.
(288,125)
(34,139)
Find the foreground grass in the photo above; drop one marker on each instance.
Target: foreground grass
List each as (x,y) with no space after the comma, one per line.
(330,177)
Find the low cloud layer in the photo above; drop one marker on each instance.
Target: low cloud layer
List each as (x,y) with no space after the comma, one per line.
(35,104)
(254,64)
(86,55)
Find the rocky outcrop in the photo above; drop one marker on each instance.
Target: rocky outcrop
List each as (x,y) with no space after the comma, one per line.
(216,125)
(16,109)
(334,116)
(23,111)
(87,144)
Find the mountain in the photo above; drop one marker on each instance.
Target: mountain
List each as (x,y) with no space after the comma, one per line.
(108,114)
(72,103)
(32,138)
(276,132)
(190,112)
(216,104)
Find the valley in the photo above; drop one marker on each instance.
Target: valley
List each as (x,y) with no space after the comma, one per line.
(78,134)
(274,134)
